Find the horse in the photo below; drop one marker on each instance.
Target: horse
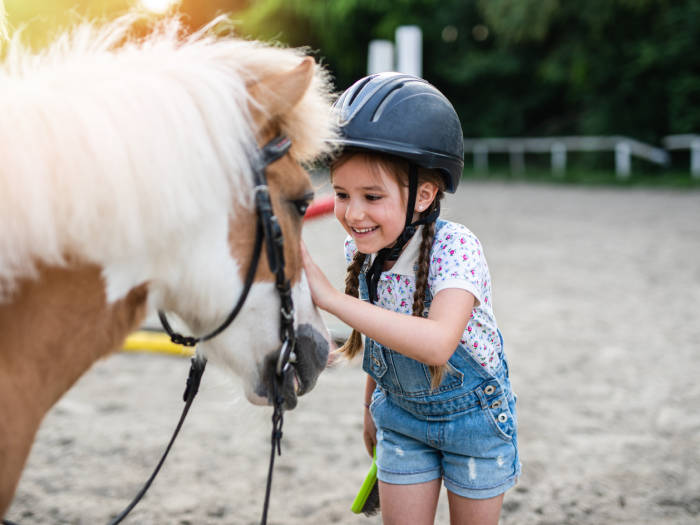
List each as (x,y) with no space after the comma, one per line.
(127,165)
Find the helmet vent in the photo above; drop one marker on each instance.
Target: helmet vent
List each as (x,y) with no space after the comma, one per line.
(359,90)
(380,108)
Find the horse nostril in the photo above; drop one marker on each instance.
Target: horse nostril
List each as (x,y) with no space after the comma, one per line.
(316,346)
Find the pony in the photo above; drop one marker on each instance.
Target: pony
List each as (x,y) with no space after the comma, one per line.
(126,185)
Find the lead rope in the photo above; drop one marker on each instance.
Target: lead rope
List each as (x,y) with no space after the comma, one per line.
(276,444)
(193,379)
(268,227)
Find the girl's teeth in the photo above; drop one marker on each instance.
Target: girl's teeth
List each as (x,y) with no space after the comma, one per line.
(363,230)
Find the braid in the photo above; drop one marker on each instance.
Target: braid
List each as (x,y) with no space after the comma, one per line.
(436,372)
(354,343)
(423,267)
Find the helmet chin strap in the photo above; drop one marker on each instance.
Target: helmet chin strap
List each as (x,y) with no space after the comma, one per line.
(392,253)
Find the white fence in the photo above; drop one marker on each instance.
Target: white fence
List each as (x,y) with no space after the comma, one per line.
(691,142)
(557,147)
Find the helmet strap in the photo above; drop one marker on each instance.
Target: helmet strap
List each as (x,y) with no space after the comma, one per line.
(392,253)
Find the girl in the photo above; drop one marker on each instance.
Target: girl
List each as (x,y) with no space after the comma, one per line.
(438,400)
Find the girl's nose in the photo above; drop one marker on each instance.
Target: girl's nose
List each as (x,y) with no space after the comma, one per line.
(354,211)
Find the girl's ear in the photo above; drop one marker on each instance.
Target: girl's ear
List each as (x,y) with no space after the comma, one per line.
(425,195)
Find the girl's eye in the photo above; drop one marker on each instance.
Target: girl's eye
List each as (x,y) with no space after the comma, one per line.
(302,204)
(372,197)
(340,195)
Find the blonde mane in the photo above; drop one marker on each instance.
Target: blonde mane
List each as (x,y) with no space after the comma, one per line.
(113,145)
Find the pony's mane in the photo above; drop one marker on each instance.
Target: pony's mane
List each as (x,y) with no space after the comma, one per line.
(100,123)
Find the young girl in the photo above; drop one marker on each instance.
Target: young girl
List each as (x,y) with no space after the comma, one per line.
(439,406)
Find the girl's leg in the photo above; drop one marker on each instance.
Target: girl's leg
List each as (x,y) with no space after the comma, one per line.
(465,511)
(415,504)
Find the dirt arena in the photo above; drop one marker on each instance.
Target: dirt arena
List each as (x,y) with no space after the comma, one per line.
(597,292)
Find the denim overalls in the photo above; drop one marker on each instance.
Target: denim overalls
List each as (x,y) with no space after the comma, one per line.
(466,428)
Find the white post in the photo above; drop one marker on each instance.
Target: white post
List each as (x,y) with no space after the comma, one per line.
(695,159)
(558,150)
(623,163)
(380,56)
(481,158)
(409,50)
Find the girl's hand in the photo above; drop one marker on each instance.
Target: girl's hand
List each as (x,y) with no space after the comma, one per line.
(320,286)
(369,433)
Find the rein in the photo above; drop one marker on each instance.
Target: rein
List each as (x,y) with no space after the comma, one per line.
(269,230)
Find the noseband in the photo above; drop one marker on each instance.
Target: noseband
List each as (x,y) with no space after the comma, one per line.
(268,230)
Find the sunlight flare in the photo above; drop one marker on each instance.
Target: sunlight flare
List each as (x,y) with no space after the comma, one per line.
(158,6)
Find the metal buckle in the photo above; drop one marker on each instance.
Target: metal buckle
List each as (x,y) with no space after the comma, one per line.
(286,352)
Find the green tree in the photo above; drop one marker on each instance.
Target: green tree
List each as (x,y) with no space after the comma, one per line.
(521,67)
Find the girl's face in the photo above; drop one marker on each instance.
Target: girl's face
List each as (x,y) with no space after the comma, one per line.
(369,203)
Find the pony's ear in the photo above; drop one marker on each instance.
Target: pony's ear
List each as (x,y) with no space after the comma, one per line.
(275,95)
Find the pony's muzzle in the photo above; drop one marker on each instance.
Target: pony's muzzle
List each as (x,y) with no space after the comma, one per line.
(311,355)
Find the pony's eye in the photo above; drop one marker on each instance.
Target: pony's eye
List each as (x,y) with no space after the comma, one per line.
(302,204)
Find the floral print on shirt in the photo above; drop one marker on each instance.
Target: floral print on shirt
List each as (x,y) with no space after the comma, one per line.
(456,261)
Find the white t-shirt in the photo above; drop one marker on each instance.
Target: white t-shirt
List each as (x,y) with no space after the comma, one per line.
(456,261)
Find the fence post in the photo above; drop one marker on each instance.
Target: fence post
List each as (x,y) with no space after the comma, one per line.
(558,151)
(695,159)
(481,158)
(409,50)
(623,163)
(380,56)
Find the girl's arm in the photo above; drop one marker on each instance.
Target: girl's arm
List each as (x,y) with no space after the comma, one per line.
(430,340)
(369,429)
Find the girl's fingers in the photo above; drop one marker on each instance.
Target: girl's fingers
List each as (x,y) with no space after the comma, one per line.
(320,286)
(369,445)
(370,433)
(307,262)
(305,257)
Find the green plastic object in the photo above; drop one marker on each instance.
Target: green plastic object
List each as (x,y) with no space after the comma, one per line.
(358,506)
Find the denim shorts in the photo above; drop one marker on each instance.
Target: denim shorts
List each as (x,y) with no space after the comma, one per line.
(474,450)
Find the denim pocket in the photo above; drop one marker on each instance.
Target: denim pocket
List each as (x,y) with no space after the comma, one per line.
(378,397)
(413,379)
(373,362)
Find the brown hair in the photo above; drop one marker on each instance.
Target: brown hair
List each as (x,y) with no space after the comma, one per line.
(396,167)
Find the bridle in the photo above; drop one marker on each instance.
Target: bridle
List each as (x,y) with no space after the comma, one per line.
(268,230)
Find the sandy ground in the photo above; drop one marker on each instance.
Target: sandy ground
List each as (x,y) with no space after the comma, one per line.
(597,292)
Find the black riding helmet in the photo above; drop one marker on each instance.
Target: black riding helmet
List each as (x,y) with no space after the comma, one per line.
(406,117)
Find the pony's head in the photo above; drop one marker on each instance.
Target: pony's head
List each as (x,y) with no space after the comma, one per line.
(275,103)
(137,154)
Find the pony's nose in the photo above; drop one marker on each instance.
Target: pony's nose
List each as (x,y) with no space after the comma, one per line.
(312,350)
(300,377)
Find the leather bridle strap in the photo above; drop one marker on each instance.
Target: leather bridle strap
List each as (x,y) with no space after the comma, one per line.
(180,339)
(274,243)
(267,229)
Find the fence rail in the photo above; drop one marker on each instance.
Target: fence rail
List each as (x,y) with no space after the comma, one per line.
(690,142)
(623,147)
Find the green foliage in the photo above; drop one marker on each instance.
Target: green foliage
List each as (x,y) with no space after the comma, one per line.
(517,21)
(511,67)
(522,67)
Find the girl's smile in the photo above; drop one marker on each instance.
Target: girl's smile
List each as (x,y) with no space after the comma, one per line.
(369,203)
